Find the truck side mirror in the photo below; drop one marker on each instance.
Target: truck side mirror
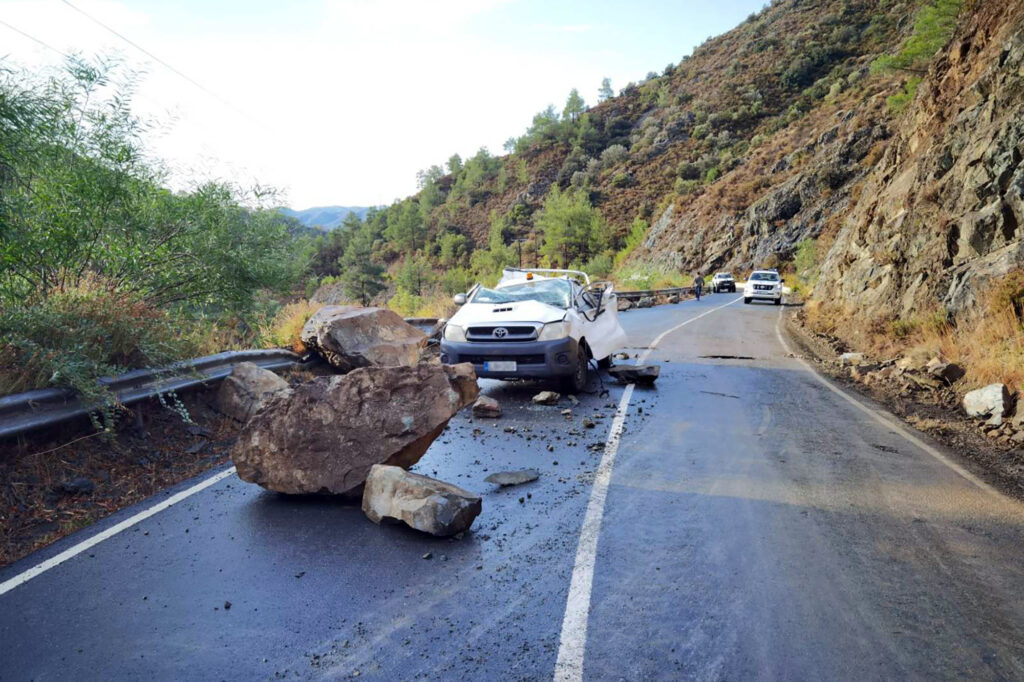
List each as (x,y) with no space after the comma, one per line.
(460,299)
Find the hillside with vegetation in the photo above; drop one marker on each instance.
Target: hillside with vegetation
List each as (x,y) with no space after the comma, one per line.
(757,150)
(730,158)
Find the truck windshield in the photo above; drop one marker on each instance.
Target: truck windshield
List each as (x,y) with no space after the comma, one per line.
(764,277)
(555,292)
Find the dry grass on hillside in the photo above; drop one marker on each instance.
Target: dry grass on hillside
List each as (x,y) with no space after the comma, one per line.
(989,345)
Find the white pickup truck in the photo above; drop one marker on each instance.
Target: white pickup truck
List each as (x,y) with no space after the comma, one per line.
(535,324)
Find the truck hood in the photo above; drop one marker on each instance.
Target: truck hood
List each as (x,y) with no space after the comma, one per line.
(501,313)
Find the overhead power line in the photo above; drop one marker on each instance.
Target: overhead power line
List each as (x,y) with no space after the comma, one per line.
(36,40)
(166,65)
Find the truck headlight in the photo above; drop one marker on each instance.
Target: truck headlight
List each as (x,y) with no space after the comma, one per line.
(453,332)
(553,331)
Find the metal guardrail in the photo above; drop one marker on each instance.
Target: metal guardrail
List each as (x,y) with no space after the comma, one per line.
(24,412)
(654,293)
(45,407)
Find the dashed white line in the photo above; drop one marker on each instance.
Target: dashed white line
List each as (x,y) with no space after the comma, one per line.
(573,640)
(57,560)
(885,420)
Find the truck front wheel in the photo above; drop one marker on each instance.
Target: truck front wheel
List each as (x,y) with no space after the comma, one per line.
(577,381)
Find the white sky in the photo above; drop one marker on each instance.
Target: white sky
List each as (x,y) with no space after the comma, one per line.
(342,101)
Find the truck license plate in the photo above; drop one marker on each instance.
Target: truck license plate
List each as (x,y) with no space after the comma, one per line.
(500,366)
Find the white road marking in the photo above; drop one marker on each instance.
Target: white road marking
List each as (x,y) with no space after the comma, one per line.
(57,560)
(572,643)
(886,420)
(660,337)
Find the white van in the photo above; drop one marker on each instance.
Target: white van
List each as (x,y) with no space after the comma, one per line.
(535,324)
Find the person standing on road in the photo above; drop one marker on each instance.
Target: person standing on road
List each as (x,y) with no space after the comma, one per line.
(698,285)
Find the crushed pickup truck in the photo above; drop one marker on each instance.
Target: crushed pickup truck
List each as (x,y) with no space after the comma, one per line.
(535,324)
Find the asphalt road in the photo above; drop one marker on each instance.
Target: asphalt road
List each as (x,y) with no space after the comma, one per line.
(757,525)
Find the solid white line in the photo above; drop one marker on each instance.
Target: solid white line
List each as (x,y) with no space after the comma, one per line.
(572,643)
(886,420)
(57,560)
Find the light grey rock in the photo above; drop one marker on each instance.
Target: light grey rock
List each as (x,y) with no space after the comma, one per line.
(991,402)
(420,502)
(351,336)
(486,407)
(546,398)
(507,478)
(851,359)
(248,388)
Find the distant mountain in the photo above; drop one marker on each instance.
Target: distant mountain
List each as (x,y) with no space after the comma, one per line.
(326,217)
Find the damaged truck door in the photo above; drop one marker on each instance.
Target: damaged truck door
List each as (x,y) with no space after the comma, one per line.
(535,324)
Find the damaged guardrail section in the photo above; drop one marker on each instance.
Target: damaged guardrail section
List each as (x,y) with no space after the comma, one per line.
(44,407)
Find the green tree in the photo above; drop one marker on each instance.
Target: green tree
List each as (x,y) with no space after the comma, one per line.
(81,200)
(573,230)
(574,106)
(407,230)
(606,92)
(454,250)
(362,277)
(414,275)
(454,164)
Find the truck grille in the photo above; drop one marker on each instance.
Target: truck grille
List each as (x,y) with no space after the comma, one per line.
(514,332)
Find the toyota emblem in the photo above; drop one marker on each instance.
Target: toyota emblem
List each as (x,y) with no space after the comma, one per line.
(500,332)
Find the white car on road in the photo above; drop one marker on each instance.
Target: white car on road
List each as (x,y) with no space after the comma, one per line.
(535,324)
(763,285)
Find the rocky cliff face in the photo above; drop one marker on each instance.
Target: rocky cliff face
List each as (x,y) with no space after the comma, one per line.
(943,210)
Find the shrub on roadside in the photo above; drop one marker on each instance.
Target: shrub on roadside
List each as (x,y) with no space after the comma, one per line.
(285,329)
(72,336)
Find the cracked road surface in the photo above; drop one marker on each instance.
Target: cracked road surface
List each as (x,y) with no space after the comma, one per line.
(757,525)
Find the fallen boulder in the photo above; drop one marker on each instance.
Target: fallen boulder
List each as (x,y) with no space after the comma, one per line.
(992,402)
(635,374)
(420,502)
(546,398)
(624,304)
(324,435)
(486,407)
(247,389)
(351,336)
(946,371)
(645,302)
(507,478)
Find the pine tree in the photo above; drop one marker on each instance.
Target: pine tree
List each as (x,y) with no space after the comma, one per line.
(606,90)
(361,276)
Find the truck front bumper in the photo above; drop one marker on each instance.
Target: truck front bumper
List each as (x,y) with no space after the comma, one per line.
(534,359)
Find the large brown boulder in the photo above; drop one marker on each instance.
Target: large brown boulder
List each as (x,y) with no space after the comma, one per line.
(349,336)
(421,502)
(247,389)
(324,435)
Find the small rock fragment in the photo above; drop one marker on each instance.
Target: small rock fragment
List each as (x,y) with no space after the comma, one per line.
(546,398)
(487,407)
(507,478)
